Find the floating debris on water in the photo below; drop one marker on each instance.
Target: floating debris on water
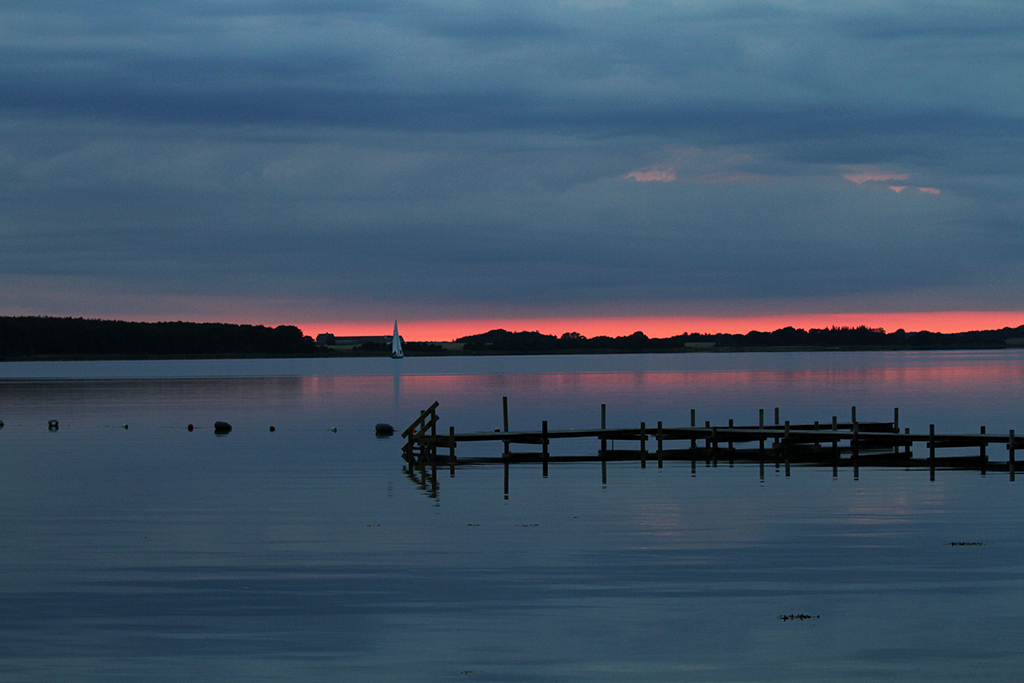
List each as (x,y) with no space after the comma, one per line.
(53,425)
(384,429)
(965,543)
(220,427)
(800,617)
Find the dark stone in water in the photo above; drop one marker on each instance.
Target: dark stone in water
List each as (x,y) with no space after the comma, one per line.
(53,425)
(221,427)
(384,429)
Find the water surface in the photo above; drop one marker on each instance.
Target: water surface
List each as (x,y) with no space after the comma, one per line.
(306,554)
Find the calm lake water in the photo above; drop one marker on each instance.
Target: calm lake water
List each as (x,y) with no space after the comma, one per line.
(307,554)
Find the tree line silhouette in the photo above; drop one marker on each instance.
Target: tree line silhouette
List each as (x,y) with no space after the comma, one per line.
(36,337)
(44,337)
(503,341)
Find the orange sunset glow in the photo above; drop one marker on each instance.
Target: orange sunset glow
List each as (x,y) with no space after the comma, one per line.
(448,330)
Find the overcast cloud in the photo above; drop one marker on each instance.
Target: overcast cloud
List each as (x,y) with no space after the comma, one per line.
(276,161)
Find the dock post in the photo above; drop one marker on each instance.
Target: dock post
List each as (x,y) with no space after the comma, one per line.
(604,415)
(931,451)
(1011,446)
(707,443)
(982,454)
(896,429)
(835,446)
(785,447)
(544,439)
(643,444)
(760,425)
(854,445)
(693,423)
(714,446)
(451,450)
(731,447)
(661,456)
(776,423)
(504,414)
(856,451)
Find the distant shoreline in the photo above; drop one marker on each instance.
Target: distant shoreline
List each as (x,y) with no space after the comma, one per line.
(77,339)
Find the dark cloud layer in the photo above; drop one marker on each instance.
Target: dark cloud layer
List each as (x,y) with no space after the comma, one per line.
(566,156)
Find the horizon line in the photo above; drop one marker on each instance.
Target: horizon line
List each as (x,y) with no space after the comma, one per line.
(658,327)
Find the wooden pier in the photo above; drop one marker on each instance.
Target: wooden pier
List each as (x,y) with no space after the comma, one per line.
(837,444)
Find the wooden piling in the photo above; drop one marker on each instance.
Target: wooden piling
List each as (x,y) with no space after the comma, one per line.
(760,425)
(785,447)
(604,415)
(854,443)
(931,452)
(504,415)
(714,446)
(776,423)
(643,445)
(1012,464)
(661,455)
(982,454)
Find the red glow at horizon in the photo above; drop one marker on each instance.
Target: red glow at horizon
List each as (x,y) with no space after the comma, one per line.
(664,326)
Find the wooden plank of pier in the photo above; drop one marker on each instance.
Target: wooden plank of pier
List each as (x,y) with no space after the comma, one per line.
(869,443)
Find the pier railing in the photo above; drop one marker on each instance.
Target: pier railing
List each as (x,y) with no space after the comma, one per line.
(833,443)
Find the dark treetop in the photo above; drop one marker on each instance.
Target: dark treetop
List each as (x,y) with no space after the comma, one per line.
(41,337)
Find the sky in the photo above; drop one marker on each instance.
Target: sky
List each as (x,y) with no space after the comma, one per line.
(600,166)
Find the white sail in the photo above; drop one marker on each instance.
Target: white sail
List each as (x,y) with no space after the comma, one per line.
(396,344)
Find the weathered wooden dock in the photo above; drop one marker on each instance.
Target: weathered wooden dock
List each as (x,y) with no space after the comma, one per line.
(837,444)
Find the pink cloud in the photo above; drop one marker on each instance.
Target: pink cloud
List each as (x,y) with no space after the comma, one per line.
(659,174)
(865,176)
(897,188)
(929,190)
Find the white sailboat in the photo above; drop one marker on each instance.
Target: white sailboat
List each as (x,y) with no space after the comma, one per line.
(396,344)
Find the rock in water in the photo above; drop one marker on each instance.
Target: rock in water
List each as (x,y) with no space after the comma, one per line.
(221,427)
(384,429)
